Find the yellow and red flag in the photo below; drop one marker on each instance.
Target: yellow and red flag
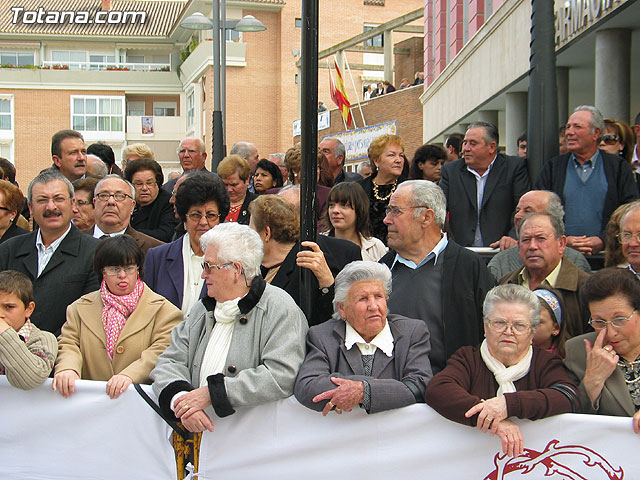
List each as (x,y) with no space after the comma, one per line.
(339,96)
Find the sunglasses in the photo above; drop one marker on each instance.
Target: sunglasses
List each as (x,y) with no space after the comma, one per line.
(610,139)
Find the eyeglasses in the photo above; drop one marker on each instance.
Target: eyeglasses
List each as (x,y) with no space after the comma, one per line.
(500,326)
(118,197)
(5,208)
(197,216)
(82,203)
(395,210)
(206,266)
(112,271)
(182,151)
(610,139)
(58,200)
(149,185)
(626,237)
(617,322)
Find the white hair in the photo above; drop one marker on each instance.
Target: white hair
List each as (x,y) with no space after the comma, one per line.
(511,293)
(359,271)
(425,193)
(236,243)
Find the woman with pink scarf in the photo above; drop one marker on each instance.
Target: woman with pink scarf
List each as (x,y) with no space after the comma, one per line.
(116,333)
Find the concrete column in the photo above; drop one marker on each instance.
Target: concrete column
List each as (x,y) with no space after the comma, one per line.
(516,121)
(490,116)
(562,82)
(613,73)
(387,40)
(340,57)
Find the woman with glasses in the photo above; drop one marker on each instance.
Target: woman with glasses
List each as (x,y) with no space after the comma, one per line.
(618,139)
(153,214)
(174,270)
(606,363)
(114,334)
(427,162)
(505,376)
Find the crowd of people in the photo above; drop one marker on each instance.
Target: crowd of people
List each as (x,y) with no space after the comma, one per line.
(193,284)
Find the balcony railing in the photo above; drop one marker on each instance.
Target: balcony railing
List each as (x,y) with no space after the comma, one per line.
(110,66)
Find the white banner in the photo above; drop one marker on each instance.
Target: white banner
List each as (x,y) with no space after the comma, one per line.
(89,436)
(356,142)
(324,122)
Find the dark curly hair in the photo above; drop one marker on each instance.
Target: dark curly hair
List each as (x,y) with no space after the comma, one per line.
(423,154)
(198,189)
(273,170)
(141,164)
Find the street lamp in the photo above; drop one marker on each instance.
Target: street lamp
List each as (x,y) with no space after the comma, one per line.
(198,21)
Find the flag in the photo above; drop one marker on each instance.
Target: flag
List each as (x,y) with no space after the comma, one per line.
(339,97)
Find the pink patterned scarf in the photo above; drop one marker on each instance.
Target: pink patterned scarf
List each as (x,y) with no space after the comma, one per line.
(116,310)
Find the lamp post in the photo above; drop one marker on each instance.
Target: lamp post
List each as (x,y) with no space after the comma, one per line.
(198,21)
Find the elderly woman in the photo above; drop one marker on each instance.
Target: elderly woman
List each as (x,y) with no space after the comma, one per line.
(174,270)
(84,216)
(607,362)
(386,154)
(364,356)
(135,151)
(241,345)
(116,333)
(11,202)
(504,377)
(235,173)
(153,214)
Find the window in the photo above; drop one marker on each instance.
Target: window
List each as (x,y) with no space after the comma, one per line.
(5,151)
(379,3)
(164,109)
(98,114)
(5,114)
(135,58)
(102,61)
(75,60)
(135,109)
(191,109)
(161,59)
(298,23)
(233,35)
(376,41)
(17,59)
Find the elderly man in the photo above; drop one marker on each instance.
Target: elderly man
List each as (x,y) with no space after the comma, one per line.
(105,153)
(278,160)
(483,188)
(96,168)
(335,154)
(57,258)
(362,356)
(192,157)
(542,244)
(114,202)
(249,152)
(69,154)
(591,183)
(423,260)
(508,259)
(629,238)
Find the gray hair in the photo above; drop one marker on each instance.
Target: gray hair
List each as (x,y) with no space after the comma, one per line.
(359,271)
(556,223)
(511,293)
(97,168)
(243,149)
(632,207)
(597,120)
(113,175)
(427,194)
(201,145)
(280,156)
(490,131)
(554,205)
(366,163)
(339,150)
(236,243)
(47,176)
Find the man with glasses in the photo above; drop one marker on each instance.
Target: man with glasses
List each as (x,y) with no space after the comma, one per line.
(192,157)
(114,200)
(629,238)
(434,279)
(542,244)
(57,258)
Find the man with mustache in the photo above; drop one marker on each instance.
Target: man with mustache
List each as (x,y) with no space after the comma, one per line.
(69,154)
(542,243)
(57,258)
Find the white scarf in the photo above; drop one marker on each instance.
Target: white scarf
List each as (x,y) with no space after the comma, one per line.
(219,342)
(505,376)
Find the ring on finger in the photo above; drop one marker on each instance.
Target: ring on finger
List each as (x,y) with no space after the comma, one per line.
(330,404)
(338,410)
(608,348)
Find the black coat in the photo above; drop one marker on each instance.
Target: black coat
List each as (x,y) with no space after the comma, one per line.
(157,219)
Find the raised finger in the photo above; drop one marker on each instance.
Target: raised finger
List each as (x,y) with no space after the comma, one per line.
(599,341)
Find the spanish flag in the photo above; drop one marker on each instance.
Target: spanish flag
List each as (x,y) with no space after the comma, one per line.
(339,97)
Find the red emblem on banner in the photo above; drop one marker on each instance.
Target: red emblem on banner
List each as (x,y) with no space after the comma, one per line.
(569,462)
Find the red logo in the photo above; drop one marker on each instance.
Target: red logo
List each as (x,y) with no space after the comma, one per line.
(570,462)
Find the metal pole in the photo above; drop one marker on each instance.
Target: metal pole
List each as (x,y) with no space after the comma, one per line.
(217,153)
(309,138)
(542,135)
(223,58)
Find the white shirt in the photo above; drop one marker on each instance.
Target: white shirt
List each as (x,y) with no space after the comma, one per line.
(192,275)
(45,253)
(383,341)
(481,181)
(97,233)
(435,254)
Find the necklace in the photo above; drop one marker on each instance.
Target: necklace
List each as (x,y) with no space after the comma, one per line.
(386,197)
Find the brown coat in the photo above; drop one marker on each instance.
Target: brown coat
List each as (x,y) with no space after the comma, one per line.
(569,282)
(82,343)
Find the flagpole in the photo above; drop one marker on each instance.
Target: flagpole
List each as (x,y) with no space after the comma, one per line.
(339,107)
(356,90)
(335,59)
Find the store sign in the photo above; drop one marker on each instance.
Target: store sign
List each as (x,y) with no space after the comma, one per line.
(573,16)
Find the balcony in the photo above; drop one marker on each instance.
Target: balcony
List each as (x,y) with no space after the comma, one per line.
(109,66)
(164,129)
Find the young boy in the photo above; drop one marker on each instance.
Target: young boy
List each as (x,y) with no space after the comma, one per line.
(27,354)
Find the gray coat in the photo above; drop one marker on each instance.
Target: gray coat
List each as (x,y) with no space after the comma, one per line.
(267,349)
(396,381)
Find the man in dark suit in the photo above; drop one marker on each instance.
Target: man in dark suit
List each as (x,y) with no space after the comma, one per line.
(434,279)
(335,154)
(482,188)
(57,258)
(114,202)
(590,182)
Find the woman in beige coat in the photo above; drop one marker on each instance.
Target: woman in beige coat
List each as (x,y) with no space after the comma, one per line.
(116,333)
